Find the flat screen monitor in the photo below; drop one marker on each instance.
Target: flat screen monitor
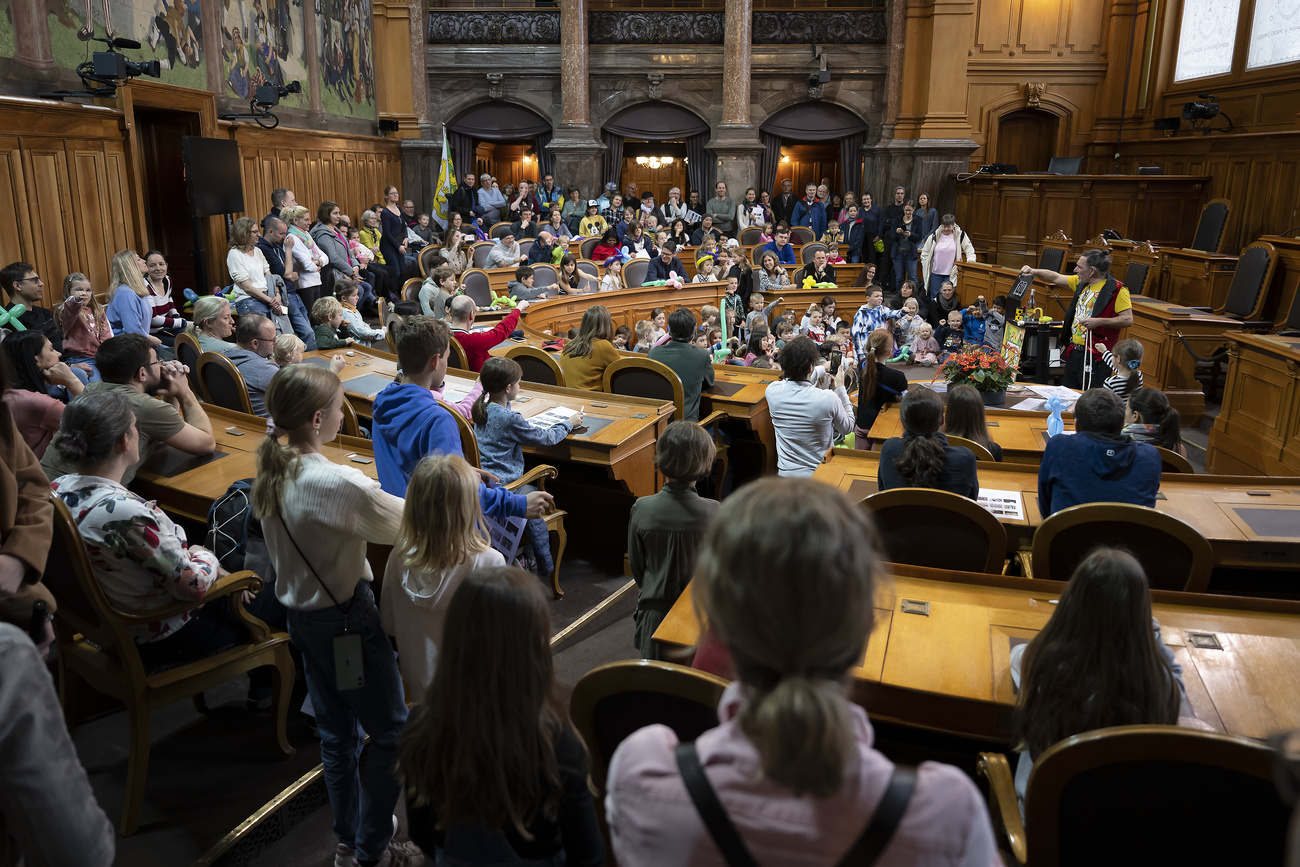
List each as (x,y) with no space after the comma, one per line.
(212,171)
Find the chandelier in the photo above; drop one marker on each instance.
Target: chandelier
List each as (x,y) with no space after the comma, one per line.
(654,162)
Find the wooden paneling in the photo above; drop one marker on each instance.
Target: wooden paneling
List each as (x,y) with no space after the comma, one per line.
(1258,428)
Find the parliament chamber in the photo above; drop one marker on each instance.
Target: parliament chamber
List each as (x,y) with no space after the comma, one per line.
(1005,147)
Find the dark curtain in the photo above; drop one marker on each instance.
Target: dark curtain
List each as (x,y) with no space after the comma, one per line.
(769,162)
(613,162)
(462,153)
(851,160)
(698,168)
(545,159)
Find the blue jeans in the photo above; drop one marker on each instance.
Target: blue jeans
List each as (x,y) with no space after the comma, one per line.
(85,378)
(901,261)
(293,306)
(363,804)
(936,283)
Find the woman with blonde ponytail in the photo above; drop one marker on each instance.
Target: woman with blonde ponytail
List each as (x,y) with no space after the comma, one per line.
(792,763)
(317,517)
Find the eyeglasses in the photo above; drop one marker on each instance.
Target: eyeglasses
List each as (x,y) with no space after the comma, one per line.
(32,279)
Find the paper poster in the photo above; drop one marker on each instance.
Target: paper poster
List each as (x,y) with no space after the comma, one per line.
(552,416)
(1003,504)
(505,535)
(1013,339)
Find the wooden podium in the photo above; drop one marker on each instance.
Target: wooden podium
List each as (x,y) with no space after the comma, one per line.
(1195,278)
(1258,428)
(1166,363)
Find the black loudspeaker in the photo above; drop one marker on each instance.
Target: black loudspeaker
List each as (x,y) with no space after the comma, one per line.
(388,126)
(213,172)
(1169,123)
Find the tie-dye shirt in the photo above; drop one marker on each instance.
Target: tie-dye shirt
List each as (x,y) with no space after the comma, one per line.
(140,557)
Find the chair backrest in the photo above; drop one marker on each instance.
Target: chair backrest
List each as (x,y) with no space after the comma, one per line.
(974,541)
(645,377)
(1293,318)
(750,235)
(587,284)
(525,244)
(476,284)
(590,268)
(587,246)
(634,272)
(611,702)
(757,255)
(329,275)
(82,606)
(806,254)
(1135,277)
(1065,166)
(222,383)
(981,453)
(544,275)
(538,365)
(411,289)
(456,357)
(479,257)
(1251,280)
(429,259)
(1109,777)
(1173,553)
(1052,259)
(468,442)
(1209,229)
(1173,462)
(498,229)
(351,424)
(188,352)
(801,235)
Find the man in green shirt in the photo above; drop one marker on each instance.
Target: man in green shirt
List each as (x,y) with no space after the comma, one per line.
(691,364)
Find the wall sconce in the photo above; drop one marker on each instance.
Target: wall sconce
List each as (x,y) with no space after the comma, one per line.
(785,158)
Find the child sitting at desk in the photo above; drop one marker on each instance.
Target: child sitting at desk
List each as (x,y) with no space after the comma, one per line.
(331,332)
(613,279)
(346,291)
(644,335)
(502,434)
(665,529)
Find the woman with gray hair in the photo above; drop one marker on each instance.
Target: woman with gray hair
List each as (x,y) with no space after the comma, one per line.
(212,324)
(490,200)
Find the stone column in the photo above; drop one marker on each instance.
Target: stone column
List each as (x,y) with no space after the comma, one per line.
(735,144)
(576,144)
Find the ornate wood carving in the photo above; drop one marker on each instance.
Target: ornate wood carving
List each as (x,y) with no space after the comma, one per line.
(655,28)
(794,27)
(481,27)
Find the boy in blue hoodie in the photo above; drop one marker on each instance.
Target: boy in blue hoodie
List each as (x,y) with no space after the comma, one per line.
(410,424)
(972,322)
(1098,463)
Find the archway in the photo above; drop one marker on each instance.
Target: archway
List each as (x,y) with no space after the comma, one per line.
(503,139)
(1027,139)
(813,140)
(650,130)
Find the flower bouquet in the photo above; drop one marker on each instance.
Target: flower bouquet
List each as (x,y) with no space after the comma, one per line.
(982,367)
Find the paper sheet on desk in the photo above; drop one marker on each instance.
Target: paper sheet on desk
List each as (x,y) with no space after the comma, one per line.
(552,416)
(1003,504)
(1068,395)
(1029,405)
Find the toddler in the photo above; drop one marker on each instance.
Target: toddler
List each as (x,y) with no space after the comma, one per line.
(288,350)
(833,254)
(973,325)
(950,336)
(735,305)
(331,332)
(784,333)
(816,328)
(765,237)
(621,335)
(709,317)
(1126,362)
(644,335)
(925,349)
(84,322)
(347,292)
(995,323)
(905,328)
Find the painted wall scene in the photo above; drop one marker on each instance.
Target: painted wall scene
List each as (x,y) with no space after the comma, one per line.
(346,58)
(264,42)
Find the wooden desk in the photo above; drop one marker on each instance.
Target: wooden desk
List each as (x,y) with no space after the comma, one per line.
(1258,427)
(1022,435)
(1209,503)
(624,448)
(1194,278)
(626,306)
(1166,363)
(1007,216)
(1286,279)
(949,670)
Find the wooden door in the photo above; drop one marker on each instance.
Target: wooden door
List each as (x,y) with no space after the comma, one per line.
(168,222)
(1027,139)
(808,164)
(658,181)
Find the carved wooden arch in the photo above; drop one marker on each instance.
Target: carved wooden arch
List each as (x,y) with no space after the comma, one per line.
(1064,110)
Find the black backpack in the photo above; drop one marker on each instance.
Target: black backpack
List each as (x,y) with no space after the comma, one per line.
(235,536)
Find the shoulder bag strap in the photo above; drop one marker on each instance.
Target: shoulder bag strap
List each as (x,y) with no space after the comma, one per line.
(342,608)
(711,811)
(884,823)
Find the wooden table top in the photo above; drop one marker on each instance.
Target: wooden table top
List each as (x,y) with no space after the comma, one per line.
(1219,507)
(949,669)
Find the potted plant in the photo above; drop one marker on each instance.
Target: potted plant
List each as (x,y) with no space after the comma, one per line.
(982,367)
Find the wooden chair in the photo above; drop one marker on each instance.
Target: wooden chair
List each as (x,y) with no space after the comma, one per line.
(634,273)
(1173,462)
(536,477)
(411,289)
(1056,249)
(640,376)
(1135,277)
(612,701)
(806,254)
(478,286)
(187,352)
(545,276)
(800,235)
(587,246)
(479,255)
(981,453)
(96,646)
(1108,778)
(1209,228)
(973,539)
(538,365)
(429,258)
(1174,555)
(498,229)
(222,383)
(750,234)
(351,424)
(1249,286)
(456,357)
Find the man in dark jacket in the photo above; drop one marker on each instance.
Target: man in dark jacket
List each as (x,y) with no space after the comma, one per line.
(666,263)
(463,199)
(783,203)
(691,364)
(1098,463)
(892,212)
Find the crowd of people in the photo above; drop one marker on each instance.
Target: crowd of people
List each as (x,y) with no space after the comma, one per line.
(490,765)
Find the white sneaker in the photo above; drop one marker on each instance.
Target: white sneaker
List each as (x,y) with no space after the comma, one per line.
(399,854)
(345,856)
